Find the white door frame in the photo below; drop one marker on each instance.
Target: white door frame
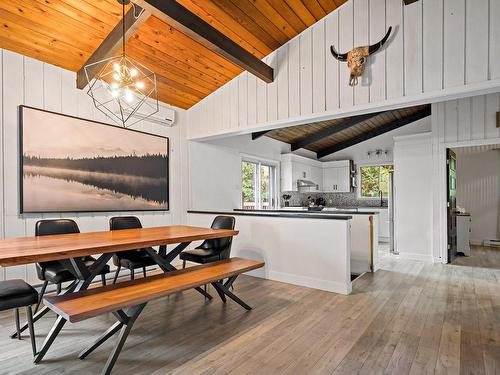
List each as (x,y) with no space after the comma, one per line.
(440,195)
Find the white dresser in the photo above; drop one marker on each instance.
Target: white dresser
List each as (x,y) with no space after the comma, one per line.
(463,233)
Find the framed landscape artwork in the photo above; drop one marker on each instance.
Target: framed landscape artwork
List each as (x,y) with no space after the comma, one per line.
(70,164)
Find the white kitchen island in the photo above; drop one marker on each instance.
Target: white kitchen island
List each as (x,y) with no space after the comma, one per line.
(312,250)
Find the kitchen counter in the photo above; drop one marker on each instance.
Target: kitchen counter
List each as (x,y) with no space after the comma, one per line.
(277,213)
(305,211)
(277,234)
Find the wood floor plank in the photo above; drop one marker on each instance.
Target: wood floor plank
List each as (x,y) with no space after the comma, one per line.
(409,317)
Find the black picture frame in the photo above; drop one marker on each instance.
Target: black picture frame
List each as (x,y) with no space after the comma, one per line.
(22,210)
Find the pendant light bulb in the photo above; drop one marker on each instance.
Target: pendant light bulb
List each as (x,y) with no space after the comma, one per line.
(128,95)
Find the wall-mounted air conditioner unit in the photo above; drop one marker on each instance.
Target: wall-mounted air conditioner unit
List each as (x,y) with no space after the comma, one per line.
(165,116)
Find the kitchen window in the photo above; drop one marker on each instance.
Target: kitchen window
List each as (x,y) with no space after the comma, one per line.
(258,185)
(374,178)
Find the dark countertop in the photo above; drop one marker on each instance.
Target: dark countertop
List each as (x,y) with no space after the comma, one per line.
(325,212)
(270,213)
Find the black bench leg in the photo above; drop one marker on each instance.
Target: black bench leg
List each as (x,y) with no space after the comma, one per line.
(224,288)
(220,293)
(56,328)
(106,335)
(132,314)
(205,294)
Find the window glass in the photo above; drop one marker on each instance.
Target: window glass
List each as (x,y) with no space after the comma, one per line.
(258,185)
(375,178)
(248,179)
(265,176)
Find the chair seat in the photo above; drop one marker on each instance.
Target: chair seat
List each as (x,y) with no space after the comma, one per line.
(56,273)
(16,293)
(136,259)
(201,256)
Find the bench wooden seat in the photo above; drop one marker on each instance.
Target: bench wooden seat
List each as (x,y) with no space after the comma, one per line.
(133,296)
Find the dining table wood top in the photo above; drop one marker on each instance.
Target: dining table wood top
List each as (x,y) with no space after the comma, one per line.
(26,250)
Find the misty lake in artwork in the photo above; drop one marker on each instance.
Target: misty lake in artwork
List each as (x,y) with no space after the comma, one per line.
(90,167)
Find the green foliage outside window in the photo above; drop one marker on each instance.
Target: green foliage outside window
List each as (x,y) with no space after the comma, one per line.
(248,171)
(374,179)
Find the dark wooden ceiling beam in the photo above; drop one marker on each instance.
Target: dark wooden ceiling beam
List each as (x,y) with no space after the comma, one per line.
(190,24)
(327,132)
(113,43)
(376,132)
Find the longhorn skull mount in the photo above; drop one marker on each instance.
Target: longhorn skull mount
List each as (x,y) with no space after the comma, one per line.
(356,58)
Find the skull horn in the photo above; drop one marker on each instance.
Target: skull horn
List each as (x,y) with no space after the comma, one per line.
(375,47)
(338,56)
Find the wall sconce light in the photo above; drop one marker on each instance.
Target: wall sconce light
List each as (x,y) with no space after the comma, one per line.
(378,154)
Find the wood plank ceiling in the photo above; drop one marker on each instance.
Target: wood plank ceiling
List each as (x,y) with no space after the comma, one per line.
(368,127)
(66,32)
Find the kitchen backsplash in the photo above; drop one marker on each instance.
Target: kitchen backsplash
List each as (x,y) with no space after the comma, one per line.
(331,199)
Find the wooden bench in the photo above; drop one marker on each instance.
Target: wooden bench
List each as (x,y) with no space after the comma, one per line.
(133,296)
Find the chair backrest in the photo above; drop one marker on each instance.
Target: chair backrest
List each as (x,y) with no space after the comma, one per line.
(120,223)
(221,245)
(124,222)
(56,226)
(53,226)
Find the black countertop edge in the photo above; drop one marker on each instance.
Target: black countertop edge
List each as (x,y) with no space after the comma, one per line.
(276,214)
(339,212)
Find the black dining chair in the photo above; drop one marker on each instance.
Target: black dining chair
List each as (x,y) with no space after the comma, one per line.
(54,272)
(214,249)
(15,294)
(131,259)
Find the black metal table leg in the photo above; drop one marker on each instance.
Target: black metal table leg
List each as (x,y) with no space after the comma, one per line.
(164,261)
(84,276)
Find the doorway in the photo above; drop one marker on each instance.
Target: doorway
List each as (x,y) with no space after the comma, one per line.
(473,205)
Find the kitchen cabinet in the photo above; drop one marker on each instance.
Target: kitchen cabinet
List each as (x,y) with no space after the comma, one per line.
(337,177)
(329,177)
(294,167)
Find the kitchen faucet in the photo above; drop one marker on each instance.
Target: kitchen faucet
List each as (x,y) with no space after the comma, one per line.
(381,199)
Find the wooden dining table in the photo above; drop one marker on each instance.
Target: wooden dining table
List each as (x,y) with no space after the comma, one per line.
(68,249)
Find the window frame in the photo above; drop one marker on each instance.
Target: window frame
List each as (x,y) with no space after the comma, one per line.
(358,177)
(274,186)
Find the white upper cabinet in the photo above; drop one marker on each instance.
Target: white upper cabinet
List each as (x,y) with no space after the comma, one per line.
(329,177)
(337,177)
(294,167)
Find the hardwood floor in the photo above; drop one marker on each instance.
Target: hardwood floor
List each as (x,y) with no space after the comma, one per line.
(480,256)
(408,318)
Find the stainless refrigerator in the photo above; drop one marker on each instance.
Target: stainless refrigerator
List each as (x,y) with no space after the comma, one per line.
(392,247)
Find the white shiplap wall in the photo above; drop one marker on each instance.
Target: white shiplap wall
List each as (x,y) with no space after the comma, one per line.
(438,48)
(457,123)
(24,80)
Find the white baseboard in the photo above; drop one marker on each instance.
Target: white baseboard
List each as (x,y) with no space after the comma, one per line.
(327,285)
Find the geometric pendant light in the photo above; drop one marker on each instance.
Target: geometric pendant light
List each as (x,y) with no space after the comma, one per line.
(123,87)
